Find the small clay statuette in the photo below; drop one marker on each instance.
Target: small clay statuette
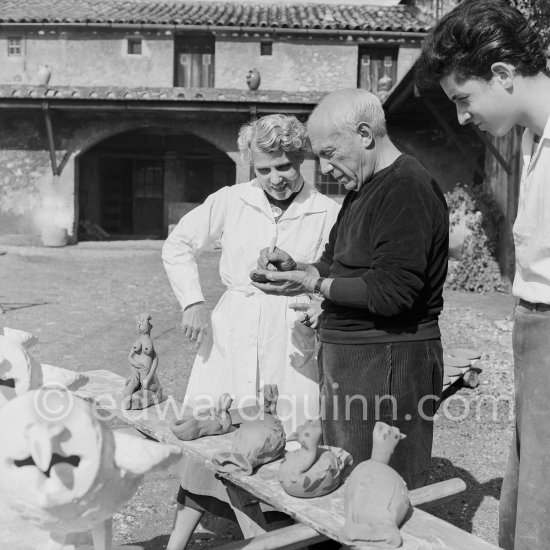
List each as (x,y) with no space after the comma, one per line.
(376,498)
(203,422)
(142,388)
(256,442)
(312,471)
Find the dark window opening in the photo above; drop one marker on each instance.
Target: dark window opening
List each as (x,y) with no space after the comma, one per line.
(134,46)
(266,48)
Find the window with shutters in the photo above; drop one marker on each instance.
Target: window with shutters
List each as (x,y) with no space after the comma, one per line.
(194,57)
(377,70)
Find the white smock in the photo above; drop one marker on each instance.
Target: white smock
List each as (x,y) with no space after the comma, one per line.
(255,339)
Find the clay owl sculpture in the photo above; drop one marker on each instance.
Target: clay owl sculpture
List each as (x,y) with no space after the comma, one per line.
(376,498)
(19,372)
(62,470)
(312,471)
(257,441)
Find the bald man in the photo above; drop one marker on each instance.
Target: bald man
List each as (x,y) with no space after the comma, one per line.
(381,278)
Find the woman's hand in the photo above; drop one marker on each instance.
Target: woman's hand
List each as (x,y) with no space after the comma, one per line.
(311,312)
(195,323)
(275,259)
(286,283)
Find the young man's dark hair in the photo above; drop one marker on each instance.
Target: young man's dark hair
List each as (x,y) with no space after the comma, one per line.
(473,36)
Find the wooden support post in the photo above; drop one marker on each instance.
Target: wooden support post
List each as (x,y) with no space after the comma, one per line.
(286,538)
(496,153)
(248,511)
(51,142)
(467,157)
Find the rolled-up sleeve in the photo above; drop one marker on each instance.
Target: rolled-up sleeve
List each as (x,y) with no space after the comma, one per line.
(192,235)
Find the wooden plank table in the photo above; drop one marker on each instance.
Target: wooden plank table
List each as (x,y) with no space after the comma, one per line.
(315,517)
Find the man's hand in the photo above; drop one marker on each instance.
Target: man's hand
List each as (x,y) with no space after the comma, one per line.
(276,260)
(311,312)
(287,283)
(196,323)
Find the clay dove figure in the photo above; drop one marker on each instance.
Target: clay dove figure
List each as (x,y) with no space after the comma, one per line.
(376,498)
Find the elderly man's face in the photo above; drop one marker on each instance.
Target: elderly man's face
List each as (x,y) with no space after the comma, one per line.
(341,154)
(278,173)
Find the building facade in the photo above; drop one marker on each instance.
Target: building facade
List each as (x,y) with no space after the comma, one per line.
(117,117)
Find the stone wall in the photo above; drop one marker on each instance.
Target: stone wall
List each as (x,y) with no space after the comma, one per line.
(84,57)
(32,197)
(297,65)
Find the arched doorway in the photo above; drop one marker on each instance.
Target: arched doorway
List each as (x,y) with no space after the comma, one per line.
(138,183)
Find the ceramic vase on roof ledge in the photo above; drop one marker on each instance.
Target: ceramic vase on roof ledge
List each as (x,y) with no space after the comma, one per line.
(253,79)
(44,74)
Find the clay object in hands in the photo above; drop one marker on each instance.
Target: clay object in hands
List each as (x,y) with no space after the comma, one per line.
(142,388)
(376,498)
(256,442)
(312,471)
(62,469)
(203,422)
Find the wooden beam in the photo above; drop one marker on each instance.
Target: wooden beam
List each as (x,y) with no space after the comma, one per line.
(491,146)
(465,153)
(51,142)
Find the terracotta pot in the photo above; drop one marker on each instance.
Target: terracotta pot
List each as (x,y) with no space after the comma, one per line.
(44,74)
(54,236)
(253,79)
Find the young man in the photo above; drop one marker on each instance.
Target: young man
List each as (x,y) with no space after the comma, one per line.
(491,63)
(381,275)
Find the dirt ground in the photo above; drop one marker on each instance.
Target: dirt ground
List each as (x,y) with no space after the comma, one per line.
(81,301)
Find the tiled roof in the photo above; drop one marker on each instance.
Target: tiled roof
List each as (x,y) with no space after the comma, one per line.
(403,18)
(111,93)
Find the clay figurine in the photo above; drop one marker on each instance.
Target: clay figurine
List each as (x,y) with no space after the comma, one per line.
(376,498)
(142,388)
(312,471)
(203,422)
(256,442)
(64,471)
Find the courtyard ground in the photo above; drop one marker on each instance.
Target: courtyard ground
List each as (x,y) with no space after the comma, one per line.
(81,302)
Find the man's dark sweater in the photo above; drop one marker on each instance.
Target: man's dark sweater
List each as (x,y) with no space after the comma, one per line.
(387,254)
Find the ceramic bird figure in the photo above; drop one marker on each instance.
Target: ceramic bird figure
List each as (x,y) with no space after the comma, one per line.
(312,471)
(200,423)
(63,470)
(376,498)
(256,442)
(19,372)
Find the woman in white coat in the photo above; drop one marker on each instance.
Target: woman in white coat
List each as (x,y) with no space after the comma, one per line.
(252,338)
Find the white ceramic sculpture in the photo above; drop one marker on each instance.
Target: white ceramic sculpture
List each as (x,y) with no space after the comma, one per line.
(62,469)
(19,372)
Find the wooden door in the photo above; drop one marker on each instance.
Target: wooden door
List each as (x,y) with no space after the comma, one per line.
(148,207)
(116,195)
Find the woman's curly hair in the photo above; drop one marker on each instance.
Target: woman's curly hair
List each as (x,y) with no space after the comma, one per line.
(473,36)
(272,134)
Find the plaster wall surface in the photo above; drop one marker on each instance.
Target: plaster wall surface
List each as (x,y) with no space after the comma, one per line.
(293,66)
(88,58)
(31,197)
